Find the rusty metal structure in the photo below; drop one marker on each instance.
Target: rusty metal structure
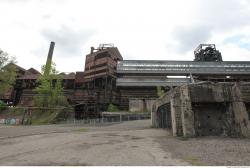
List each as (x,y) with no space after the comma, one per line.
(108,79)
(207,52)
(96,86)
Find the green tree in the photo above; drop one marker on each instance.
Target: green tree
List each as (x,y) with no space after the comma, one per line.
(2,105)
(112,108)
(159,91)
(7,72)
(50,91)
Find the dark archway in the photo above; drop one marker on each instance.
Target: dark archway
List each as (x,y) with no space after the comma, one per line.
(164,116)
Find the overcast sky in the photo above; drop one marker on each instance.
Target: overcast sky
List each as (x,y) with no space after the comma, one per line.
(146,29)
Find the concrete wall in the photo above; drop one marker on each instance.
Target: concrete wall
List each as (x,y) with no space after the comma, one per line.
(231,120)
(140,105)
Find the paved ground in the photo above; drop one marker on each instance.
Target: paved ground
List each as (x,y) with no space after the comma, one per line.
(129,143)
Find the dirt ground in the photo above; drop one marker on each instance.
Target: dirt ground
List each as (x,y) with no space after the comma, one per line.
(128,143)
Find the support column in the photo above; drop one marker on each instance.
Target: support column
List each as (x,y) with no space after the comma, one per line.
(187,113)
(172,109)
(242,124)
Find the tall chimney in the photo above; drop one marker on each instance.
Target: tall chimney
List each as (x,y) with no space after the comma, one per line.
(92,50)
(49,58)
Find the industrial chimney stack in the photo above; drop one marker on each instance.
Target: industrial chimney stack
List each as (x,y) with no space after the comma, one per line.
(49,58)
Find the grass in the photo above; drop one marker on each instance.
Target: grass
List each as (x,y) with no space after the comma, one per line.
(194,161)
(38,117)
(182,138)
(81,130)
(45,117)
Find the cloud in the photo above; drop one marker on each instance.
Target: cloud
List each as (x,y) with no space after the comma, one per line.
(14,1)
(158,30)
(242,41)
(186,38)
(212,22)
(232,52)
(223,15)
(69,41)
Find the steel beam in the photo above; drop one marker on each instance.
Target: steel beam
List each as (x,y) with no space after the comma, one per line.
(147,81)
(183,67)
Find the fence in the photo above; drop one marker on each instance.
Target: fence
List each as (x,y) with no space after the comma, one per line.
(29,115)
(109,118)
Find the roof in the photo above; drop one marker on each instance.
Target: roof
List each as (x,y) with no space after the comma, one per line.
(33,71)
(30,76)
(79,78)
(70,76)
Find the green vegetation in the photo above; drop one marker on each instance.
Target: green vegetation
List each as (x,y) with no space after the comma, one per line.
(50,90)
(7,72)
(50,100)
(2,106)
(194,161)
(112,108)
(81,130)
(160,91)
(183,138)
(44,117)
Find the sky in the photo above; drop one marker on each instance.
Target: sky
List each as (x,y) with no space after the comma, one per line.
(141,29)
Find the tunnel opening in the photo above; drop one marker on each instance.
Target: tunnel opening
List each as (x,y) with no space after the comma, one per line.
(79,111)
(247,104)
(209,118)
(164,116)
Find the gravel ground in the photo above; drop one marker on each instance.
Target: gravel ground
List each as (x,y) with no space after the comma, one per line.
(210,151)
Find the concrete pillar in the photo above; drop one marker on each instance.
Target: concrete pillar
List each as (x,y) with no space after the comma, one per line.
(173,115)
(153,115)
(242,124)
(187,113)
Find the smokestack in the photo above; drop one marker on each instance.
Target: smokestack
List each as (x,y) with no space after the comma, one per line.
(49,58)
(92,50)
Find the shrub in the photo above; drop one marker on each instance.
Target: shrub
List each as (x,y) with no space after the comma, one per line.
(112,108)
(160,91)
(2,105)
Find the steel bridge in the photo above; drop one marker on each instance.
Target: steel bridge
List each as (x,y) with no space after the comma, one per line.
(151,81)
(183,67)
(154,73)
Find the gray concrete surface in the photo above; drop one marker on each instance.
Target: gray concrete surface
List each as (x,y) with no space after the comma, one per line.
(129,143)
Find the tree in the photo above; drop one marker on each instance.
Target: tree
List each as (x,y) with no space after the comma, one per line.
(7,72)
(50,91)
(159,91)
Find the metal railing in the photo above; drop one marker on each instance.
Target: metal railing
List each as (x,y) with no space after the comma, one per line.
(115,118)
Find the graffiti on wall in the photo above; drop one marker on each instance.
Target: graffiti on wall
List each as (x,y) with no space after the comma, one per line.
(10,121)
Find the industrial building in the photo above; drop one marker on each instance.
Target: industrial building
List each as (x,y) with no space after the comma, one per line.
(131,85)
